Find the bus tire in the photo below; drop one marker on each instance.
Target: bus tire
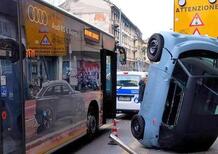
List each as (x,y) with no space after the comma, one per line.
(137,126)
(92,123)
(155,46)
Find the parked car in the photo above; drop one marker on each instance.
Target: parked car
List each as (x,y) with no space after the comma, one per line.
(179,110)
(128,90)
(58,100)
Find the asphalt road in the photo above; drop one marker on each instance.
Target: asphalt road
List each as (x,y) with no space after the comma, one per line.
(100,144)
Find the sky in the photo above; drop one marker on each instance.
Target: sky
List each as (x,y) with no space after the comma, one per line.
(150,16)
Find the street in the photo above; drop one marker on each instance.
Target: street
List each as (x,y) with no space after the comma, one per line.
(100,145)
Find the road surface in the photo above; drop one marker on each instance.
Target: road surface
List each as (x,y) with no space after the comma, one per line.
(100,144)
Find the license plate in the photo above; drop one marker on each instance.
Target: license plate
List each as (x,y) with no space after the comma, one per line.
(124,98)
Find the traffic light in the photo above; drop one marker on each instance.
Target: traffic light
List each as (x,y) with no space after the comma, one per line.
(30,53)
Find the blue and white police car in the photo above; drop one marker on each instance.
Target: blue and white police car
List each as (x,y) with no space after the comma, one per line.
(128,91)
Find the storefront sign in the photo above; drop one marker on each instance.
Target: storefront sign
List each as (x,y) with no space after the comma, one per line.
(92,35)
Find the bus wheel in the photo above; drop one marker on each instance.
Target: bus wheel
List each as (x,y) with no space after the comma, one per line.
(92,125)
(137,126)
(155,46)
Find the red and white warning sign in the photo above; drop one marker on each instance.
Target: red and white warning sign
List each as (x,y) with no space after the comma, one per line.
(196,32)
(196,21)
(45,41)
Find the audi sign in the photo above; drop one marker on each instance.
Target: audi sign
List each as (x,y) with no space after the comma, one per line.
(37,15)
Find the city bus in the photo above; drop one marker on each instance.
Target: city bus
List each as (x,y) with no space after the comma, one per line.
(53,69)
(179,110)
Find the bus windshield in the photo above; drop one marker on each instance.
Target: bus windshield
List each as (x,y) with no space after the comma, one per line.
(128,81)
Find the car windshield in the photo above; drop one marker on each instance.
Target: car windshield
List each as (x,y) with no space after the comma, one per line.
(201,66)
(128,80)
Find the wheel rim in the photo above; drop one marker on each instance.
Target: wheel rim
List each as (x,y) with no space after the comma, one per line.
(153,46)
(136,126)
(92,124)
(48,118)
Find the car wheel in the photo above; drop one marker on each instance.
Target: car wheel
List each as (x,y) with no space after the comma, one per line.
(45,117)
(137,126)
(155,46)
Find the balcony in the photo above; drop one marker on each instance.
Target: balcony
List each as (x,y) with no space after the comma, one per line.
(115,23)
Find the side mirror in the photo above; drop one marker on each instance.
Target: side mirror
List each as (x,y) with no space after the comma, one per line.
(9,49)
(122,54)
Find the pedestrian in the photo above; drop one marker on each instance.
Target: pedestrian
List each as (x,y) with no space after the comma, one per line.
(142,84)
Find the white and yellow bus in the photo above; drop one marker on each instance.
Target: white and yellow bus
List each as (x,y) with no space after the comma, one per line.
(53,75)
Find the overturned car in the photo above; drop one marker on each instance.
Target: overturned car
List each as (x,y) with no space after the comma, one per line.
(179,110)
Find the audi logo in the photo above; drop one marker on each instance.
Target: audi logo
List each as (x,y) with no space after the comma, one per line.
(37,15)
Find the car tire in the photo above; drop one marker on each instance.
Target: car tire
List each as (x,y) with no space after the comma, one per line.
(45,117)
(155,47)
(137,126)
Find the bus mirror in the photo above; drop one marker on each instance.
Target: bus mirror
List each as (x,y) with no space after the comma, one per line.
(122,54)
(9,49)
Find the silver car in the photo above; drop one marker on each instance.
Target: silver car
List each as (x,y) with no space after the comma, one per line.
(57,100)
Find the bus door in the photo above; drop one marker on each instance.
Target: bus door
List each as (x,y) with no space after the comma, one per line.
(11,92)
(108,80)
(1,144)
(10,99)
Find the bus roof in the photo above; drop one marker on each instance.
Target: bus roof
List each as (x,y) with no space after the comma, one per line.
(72,16)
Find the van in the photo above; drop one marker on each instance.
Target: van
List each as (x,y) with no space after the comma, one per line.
(128,91)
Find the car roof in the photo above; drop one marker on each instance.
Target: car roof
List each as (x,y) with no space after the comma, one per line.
(54,82)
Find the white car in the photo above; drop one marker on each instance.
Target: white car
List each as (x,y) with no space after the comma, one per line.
(128,90)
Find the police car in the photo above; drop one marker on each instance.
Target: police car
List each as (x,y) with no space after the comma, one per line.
(128,90)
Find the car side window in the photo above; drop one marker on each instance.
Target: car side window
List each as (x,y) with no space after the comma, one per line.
(65,90)
(49,92)
(57,90)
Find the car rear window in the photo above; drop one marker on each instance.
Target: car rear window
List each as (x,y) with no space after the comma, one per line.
(128,80)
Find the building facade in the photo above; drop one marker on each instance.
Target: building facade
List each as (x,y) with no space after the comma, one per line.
(108,17)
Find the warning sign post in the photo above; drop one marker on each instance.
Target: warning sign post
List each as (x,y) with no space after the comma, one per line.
(196,21)
(45,41)
(198,17)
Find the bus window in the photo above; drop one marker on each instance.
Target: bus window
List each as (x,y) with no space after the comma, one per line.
(108,72)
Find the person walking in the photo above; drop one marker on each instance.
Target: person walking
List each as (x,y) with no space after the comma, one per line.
(142,84)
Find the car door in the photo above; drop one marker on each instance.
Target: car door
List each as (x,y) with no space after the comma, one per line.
(75,103)
(60,100)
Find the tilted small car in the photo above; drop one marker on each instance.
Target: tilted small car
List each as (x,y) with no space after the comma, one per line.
(179,110)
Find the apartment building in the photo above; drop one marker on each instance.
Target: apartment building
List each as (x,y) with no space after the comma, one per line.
(108,17)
